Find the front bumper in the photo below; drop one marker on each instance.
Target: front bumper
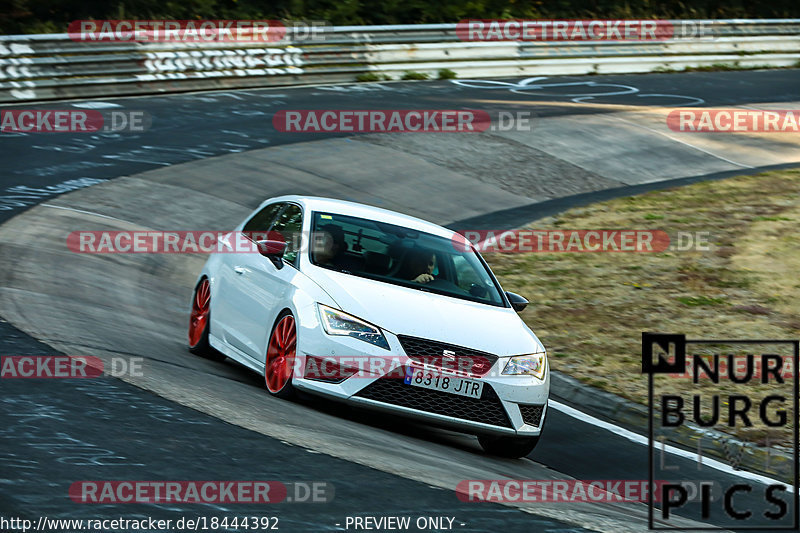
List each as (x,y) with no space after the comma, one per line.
(509,405)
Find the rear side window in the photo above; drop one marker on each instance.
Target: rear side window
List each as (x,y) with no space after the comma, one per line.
(262,220)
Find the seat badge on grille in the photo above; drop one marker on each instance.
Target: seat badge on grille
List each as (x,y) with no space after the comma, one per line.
(449,355)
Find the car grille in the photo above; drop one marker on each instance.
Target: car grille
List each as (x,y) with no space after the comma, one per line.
(432,353)
(487,410)
(531,414)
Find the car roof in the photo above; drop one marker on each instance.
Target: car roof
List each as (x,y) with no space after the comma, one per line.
(343,207)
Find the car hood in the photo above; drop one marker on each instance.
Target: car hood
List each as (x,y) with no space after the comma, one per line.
(406,311)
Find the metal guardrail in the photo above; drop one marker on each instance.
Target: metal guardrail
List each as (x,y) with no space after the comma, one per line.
(42,67)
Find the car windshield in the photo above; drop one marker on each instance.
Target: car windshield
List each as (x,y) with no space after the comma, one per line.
(401,256)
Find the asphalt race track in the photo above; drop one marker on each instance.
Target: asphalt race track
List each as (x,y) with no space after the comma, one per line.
(210,158)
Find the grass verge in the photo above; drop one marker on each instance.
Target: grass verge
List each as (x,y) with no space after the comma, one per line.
(589,309)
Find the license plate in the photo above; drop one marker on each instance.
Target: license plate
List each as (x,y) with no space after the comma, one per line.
(435,380)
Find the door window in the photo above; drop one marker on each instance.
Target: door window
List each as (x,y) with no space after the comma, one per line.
(288,224)
(261,221)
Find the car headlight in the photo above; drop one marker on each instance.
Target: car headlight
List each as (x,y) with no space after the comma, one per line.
(338,322)
(533,364)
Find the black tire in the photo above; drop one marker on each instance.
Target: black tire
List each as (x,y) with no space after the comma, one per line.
(287,390)
(509,447)
(202,347)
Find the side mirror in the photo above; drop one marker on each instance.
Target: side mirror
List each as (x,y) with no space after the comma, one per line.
(272,250)
(518,303)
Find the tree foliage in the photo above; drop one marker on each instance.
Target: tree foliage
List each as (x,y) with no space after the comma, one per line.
(45,16)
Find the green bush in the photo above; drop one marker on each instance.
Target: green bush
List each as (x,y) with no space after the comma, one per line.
(410,75)
(371,76)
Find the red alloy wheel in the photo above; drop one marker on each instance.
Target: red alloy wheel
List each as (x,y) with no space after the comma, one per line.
(280,355)
(199,318)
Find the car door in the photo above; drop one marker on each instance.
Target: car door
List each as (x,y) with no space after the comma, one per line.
(226,312)
(263,289)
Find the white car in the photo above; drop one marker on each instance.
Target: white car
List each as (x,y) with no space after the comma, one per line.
(375,308)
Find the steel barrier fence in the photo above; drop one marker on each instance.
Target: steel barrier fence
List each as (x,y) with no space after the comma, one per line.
(42,67)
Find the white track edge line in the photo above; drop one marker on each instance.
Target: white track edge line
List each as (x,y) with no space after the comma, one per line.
(640,439)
